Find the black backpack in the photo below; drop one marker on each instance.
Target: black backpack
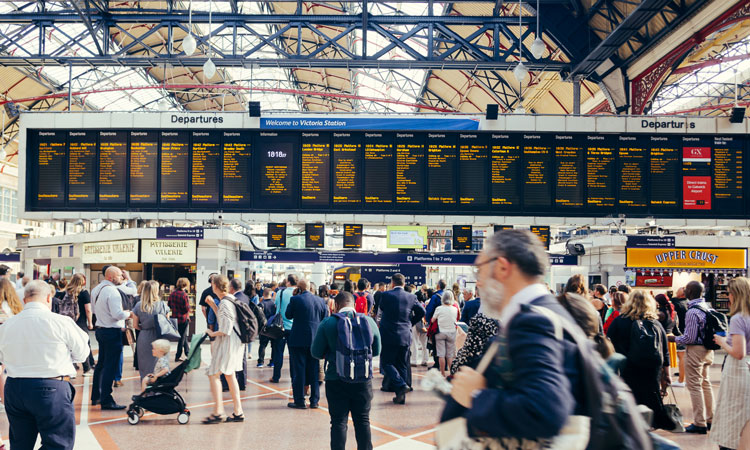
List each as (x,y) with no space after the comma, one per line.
(259,316)
(646,345)
(247,324)
(715,322)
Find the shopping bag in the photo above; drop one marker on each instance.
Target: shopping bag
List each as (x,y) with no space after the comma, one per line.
(673,412)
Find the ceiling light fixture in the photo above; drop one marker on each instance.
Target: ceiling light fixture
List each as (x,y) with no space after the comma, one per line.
(209,68)
(520,71)
(537,47)
(188,43)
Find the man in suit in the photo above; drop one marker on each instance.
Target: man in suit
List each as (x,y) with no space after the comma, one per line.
(400,311)
(471,307)
(307,311)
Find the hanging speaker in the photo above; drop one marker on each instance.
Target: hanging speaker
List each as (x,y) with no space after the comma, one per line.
(254,109)
(738,115)
(492,111)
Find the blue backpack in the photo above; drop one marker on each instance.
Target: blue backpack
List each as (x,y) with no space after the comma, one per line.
(353,348)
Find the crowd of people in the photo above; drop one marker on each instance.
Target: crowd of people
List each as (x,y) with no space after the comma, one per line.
(521,361)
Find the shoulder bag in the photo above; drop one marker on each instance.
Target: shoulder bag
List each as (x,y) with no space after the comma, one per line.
(166,328)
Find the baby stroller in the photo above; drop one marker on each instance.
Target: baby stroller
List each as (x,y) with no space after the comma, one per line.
(161,397)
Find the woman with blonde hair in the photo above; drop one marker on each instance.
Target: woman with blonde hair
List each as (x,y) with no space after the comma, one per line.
(730,425)
(637,334)
(143,313)
(10,305)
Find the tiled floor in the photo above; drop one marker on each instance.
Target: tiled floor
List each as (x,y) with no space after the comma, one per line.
(270,424)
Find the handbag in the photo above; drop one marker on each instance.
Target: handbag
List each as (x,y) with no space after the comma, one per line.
(166,328)
(433,330)
(274,327)
(673,412)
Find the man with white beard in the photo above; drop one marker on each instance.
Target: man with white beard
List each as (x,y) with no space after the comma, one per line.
(533,384)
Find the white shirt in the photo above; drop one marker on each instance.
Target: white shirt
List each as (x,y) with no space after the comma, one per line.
(522,297)
(19,293)
(36,343)
(446,317)
(107,304)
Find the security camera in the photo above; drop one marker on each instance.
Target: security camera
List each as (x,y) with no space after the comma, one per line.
(220,217)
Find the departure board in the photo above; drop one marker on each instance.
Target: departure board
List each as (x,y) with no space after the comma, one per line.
(378,169)
(601,153)
(728,176)
(664,175)
(352,235)
(316,169)
(410,170)
(473,180)
(144,161)
(275,159)
(82,167)
(174,167)
(569,169)
(206,167)
(276,235)
(51,150)
(543,234)
(497,228)
(113,168)
(347,170)
(462,237)
(537,178)
(442,162)
(237,173)
(696,173)
(632,181)
(315,234)
(505,170)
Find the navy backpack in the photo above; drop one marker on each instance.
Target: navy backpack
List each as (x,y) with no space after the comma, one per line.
(353,348)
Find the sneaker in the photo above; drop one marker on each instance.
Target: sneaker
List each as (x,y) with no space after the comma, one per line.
(678,384)
(259,365)
(693,428)
(270,365)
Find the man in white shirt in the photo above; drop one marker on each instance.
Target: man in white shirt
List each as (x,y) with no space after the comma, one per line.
(21,285)
(38,349)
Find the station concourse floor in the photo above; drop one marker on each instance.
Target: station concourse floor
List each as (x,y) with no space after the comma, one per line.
(269,424)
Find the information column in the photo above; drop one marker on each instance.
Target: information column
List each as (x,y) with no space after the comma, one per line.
(410,170)
(600,173)
(347,170)
(206,157)
(275,158)
(81,168)
(144,159)
(473,176)
(378,170)
(632,180)
(113,168)
(569,180)
(316,170)
(175,164)
(237,170)
(696,173)
(537,157)
(51,148)
(505,172)
(442,164)
(729,171)
(665,168)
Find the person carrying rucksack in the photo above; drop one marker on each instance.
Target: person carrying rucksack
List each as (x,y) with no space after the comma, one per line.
(698,339)
(348,341)
(363,300)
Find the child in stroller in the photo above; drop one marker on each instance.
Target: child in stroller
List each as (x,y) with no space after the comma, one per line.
(160,349)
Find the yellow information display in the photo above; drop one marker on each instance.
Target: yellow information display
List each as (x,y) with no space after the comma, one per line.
(687,258)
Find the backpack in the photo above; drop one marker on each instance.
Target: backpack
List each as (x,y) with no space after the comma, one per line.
(715,322)
(645,348)
(259,316)
(247,324)
(360,303)
(353,356)
(68,306)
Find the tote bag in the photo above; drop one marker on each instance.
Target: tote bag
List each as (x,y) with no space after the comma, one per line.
(166,328)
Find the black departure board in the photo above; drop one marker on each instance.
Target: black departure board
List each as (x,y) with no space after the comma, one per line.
(505,170)
(276,156)
(728,173)
(144,161)
(696,173)
(442,163)
(664,174)
(497,228)
(632,181)
(352,235)
(461,237)
(473,180)
(315,183)
(347,170)
(276,235)
(378,169)
(82,167)
(206,167)
(410,170)
(237,173)
(51,150)
(315,235)
(537,176)
(601,154)
(113,168)
(569,170)
(543,233)
(174,167)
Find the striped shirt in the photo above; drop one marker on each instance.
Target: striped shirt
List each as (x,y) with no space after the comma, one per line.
(695,322)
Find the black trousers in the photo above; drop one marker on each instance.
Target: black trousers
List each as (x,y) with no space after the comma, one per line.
(305,371)
(278,356)
(264,341)
(182,328)
(110,349)
(38,406)
(344,398)
(241,377)
(394,363)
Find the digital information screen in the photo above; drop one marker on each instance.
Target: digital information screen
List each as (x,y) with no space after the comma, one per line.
(276,236)
(352,235)
(315,234)
(497,228)
(543,234)
(420,172)
(461,237)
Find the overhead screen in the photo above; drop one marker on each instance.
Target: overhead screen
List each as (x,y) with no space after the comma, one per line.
(564,174)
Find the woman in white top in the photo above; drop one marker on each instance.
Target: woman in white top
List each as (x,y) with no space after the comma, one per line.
(227,352)
(446,316)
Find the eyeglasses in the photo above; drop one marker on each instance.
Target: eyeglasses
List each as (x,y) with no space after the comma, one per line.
(478,265)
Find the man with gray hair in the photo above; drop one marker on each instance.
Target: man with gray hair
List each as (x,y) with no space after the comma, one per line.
(38,349)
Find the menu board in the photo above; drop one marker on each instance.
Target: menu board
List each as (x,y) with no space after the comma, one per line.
(410,170)
(569,168)
(276,236)
(505,171)
(174,168)
(462,237)
(206,167)
(537,179)
(665,167)
(601,153)
(82,167)
(696,173)
(315,234)
(144,160)
(276,170)
(728,173)
(237,162)
(316,169)
(633,156)
(442,161)
(378,169)
(51,149)
(113,167)
(352,235)
(473,182)
(347,169)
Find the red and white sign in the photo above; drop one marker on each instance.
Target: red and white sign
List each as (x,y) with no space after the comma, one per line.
(696,192)
(653,281)
(696,154)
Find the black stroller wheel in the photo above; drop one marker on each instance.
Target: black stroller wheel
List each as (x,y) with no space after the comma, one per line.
(140,411)
(133,418)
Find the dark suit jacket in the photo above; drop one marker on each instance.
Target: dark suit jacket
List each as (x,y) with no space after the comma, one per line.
(471,308)
(401,311)
(241,297)
(307,311)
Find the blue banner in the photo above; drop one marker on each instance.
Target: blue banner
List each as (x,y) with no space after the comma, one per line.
(366,123)
(179,233)
(359,258)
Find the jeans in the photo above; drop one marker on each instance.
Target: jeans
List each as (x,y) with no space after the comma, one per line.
(40,406)
(344,398)
(305,371)
(394,363)
(118,375)
(110,352)
(278,356)
(183,345)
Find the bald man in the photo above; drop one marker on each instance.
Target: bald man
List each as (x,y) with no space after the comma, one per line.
(110,321)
